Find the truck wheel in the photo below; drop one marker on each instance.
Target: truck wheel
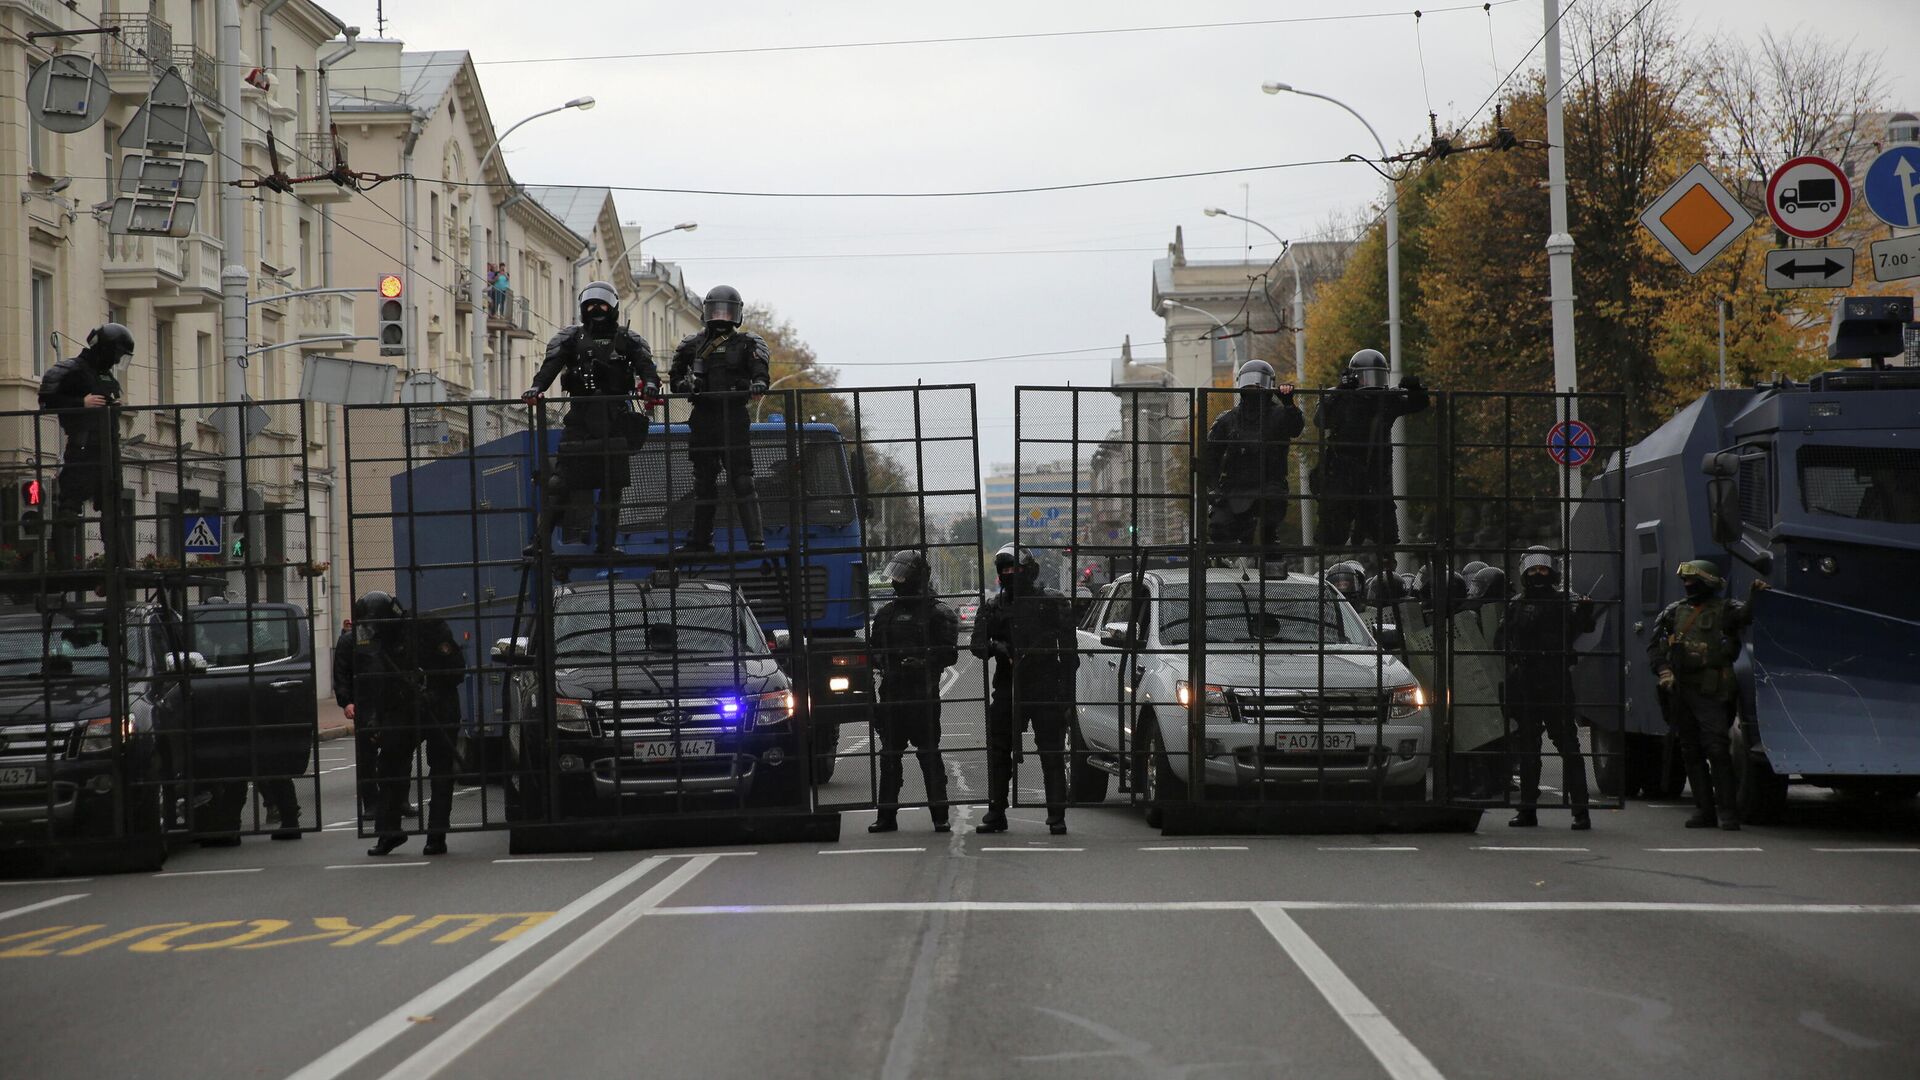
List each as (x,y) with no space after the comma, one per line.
(1760,794)
(1610,762)
(1089,782)
(1162,783)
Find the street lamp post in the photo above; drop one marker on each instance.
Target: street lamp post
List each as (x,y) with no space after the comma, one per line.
(476,258)
(1299,356)
(1226,332)
(685,226)
(1394,369)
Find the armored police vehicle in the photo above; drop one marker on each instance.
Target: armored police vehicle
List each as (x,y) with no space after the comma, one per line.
(1815,488)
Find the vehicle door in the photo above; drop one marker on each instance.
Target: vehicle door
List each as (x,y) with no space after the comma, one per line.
(254,710)
(1100,691)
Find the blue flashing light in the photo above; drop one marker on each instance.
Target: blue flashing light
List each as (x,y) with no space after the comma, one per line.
(730,707)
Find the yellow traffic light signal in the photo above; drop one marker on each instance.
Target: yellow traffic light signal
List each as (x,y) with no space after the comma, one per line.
(393,316)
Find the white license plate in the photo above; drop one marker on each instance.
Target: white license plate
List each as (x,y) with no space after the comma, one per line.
(1311,740)
(19,776)
(663,749)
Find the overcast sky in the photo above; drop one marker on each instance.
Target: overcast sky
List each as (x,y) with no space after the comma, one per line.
(885,288)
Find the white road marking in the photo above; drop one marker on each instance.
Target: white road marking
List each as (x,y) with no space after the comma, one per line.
(867,850)
(1546,907)
(430,1001)
(376,865)
(42,905)
(1492,848)
(1370,847)
(1033,849)
(461,1037)
(547,858)
(50,881)
(1694,850)
(347,824)
(335,769)
(1401,1059)
(207,873)
(1861,850)
(1194,847)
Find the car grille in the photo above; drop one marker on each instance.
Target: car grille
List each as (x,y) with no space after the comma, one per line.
(1308,707)
(653,716)
(37,741)
(1367,758)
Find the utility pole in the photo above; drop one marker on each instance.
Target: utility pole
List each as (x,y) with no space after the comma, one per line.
(1721,307)
(1566,375)
(233,273)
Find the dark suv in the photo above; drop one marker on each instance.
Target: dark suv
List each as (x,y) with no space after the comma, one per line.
(665,698)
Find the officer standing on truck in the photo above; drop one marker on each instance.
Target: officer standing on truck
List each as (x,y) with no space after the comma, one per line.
(1029,630)
(1692,649)
(915,637)
(720,369)
(83,391)
(1246,458)
(1536,635)
(405,689)
(1354,482)
(600,364)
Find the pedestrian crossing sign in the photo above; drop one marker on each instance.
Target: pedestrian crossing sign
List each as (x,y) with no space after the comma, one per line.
(203,536)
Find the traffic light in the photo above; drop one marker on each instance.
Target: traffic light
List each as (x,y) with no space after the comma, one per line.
(237,545)
(33,506)
(393,316)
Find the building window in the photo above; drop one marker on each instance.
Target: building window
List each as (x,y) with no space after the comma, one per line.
(433,224)
(163,362)
(36,145)
(206,365)
(42,322)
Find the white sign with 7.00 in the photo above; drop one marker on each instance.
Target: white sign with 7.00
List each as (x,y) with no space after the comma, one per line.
(1897,258)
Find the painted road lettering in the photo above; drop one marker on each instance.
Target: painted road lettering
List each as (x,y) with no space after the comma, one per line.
(333,930)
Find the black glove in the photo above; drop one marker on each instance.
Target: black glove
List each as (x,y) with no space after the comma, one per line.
(650,389)
(1285,391)
(1410,382)
(529,395)
(757,387)
(689,384)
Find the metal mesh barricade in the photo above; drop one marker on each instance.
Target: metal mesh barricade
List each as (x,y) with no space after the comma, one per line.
(610,627)
(1275,623)
(162,573)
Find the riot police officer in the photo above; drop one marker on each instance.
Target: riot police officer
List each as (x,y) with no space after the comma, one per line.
(600,364)
(720,368)
(1028,629)
(82,391)
(1349,580)
(1354,482)
(405,689)
(1536,636)
(1692,649)
(914,638)
(1246,458)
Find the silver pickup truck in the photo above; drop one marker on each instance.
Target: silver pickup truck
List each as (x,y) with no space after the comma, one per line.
(1296,692)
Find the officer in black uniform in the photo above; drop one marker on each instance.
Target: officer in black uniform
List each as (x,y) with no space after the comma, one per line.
(1246,458)
(1354,482)
(720,368)
(83,391)
(600,365)
(1349,580)
(1536,636)
(406,690)
(915,637)
(1029,629)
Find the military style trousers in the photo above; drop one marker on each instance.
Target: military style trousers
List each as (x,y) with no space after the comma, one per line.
(898,725)
(1005,722)
(1704,725)
(394,768)
(1552,717)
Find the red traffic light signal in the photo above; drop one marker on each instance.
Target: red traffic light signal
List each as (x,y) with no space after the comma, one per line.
(33,493)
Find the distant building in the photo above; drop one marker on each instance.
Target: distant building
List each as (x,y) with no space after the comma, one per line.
(1044,507)
(1198,353)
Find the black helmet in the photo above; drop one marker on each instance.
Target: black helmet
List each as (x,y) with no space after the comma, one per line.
(909,573)
(1386,587)
(1536,557)
(1016,562)
(109,343)
(1423,585)
(1489,582)
(1369,367)
(376,613)
(599,292)
(723,304)
(1472,568)
(1347,578)
(1254,375)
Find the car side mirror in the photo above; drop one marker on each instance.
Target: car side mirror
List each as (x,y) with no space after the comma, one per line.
(1722,468)
(1116,635)
(782,640)
(514,651)
(183,663)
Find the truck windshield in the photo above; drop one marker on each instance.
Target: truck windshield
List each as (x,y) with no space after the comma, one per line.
(228,638)
(1862,483)
(1277,612)
(655,621)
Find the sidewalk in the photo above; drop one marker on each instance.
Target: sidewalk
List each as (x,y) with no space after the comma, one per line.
(333,721)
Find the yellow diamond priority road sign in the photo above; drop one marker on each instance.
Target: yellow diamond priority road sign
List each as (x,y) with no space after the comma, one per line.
(1696,219)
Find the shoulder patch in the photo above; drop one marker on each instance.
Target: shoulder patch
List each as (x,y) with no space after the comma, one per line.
(447,648)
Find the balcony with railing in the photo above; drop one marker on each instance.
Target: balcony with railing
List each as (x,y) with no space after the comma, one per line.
(323,316)
(144,265)
(509,314)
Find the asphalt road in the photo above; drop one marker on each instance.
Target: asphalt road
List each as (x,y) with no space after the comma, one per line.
(1638,949)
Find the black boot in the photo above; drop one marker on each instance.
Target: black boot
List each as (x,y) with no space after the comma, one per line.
(995,821)
(1582,821)
(1703,819)
(701,538)
(1525,818)
(288,830)
(386,844)
(884,824)
(436,844)
(747,507)
(1729,820)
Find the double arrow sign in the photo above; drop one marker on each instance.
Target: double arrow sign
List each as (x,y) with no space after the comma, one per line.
(1800,268)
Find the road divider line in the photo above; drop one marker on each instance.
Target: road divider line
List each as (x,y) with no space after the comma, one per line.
(1537,907)
(42,905)
(377,865)
(49,881)
(391,1026)
(1033,849)
(1370,847)
(547,858)
(1698,850)
(209,873)
(868,851)
(1868,850)
(1395,1052)
(1195,847)
(1493,848)
(429,1060)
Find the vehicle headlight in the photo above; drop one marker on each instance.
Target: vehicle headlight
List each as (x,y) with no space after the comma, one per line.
(573,715)
(1406,701)
(1215,708)
(97,738)
(771,710)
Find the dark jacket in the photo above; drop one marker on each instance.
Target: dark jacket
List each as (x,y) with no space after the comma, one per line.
(65,387)
(1037,630)
(707,364)
(408,678)
(588,365)
(1536,635)
(1247,447)
(913,640)
(1357,424)
(343,669)
(1698,640)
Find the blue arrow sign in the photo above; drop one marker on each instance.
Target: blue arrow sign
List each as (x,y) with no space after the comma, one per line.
(202,536)
(1892,187)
